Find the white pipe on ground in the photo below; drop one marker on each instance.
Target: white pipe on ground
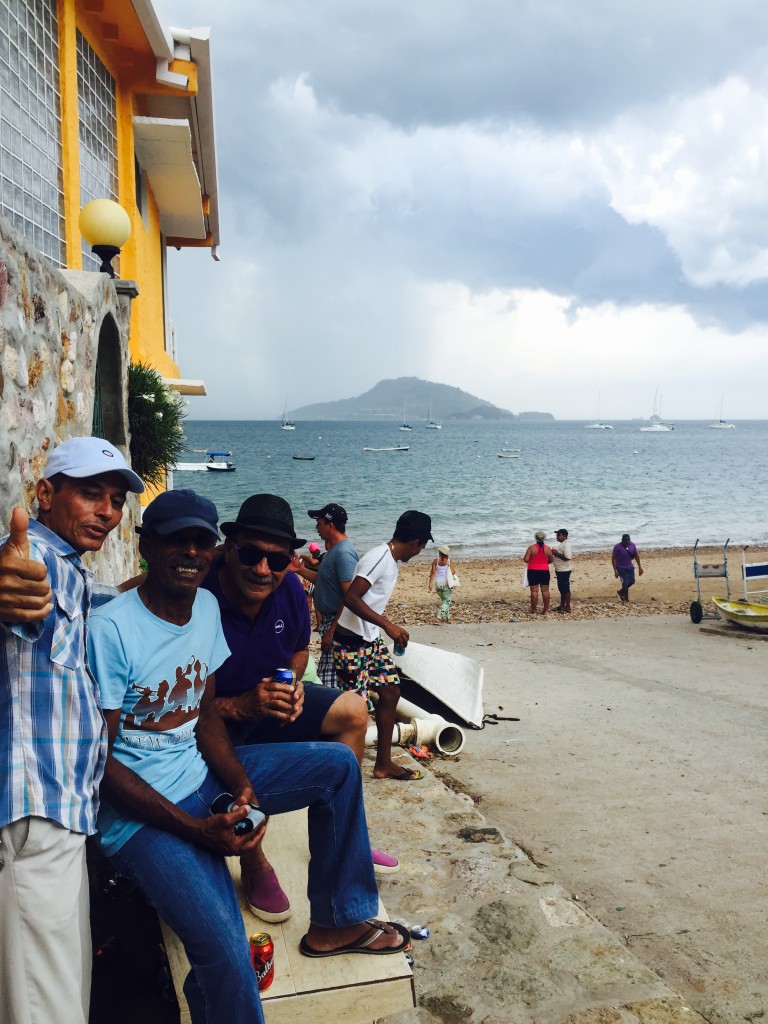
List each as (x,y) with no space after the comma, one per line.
(448,738)
(423,729)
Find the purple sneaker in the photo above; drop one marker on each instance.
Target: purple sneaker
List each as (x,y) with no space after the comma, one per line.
(383,864)
(266,897)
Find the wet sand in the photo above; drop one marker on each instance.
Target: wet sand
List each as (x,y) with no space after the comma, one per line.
(491,589)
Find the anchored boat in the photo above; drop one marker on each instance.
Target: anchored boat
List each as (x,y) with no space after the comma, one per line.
(215,464)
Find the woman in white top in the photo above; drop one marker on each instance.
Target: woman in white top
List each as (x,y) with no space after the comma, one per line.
(442,576)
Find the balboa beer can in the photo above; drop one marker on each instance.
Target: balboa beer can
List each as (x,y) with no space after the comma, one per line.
(263,959)
(285,675)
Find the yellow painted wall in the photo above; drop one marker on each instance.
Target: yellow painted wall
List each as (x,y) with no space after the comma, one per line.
(115,35)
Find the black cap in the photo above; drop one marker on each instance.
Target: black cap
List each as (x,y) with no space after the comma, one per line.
(176,510)
(562,530)
(331,513)
(413,525)
(266,513)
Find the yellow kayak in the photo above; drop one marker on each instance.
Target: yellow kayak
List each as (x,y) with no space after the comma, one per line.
(742,613)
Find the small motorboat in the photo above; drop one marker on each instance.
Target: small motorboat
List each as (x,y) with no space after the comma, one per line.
(743,613)
(505,454)
(389,448)
(303,458)
(215,464)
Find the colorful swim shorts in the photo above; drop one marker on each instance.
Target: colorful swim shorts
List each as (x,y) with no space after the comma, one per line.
(365,667)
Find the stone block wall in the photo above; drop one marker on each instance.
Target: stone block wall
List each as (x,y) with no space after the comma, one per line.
(52,324)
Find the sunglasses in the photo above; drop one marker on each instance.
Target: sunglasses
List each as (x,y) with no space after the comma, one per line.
(250,555)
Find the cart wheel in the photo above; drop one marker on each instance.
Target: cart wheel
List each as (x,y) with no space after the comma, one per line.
(697,612)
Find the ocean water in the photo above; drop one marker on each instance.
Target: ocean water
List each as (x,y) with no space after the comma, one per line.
(663,489)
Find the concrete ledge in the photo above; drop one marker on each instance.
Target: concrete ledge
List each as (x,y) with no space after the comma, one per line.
(344,989)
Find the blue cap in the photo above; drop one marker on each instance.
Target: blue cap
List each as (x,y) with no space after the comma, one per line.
(177,510)
(81,457)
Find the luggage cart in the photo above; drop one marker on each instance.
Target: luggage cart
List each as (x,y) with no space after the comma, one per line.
(708,571)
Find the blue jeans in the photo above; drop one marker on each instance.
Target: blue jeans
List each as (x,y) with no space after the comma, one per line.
(191,888)
(627,576)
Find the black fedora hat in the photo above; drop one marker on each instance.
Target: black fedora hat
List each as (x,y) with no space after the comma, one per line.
(266,513)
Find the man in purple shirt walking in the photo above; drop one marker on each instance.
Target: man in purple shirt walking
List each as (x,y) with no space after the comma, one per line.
(624,554)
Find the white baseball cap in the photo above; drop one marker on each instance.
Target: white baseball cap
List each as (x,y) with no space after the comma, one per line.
(80,457)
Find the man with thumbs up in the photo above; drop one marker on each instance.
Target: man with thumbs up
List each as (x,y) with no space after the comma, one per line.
(52,733)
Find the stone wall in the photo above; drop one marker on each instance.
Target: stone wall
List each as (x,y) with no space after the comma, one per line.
(53,326)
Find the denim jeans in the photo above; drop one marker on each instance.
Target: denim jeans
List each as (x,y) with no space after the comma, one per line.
(191,888)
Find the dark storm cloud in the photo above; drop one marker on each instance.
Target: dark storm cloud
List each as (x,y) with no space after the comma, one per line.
(368,150)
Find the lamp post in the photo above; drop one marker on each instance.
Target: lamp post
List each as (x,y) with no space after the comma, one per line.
(106,226)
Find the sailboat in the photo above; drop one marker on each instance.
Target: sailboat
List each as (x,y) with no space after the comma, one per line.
(656,424)
(287,424)
(433,424)
(404,425)
(721,423)
(598,424)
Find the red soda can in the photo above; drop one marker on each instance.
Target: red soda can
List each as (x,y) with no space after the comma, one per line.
(263,959)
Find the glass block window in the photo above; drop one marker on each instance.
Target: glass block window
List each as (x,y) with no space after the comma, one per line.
(97,109)
(31,188)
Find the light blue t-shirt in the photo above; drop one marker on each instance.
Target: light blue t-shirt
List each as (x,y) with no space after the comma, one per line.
(338,566)
(155,673)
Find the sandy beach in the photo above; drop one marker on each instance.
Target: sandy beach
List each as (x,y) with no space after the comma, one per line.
(491,589)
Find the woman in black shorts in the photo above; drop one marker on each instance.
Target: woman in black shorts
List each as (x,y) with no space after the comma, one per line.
(538,558)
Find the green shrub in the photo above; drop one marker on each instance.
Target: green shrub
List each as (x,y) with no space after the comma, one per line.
(155,418)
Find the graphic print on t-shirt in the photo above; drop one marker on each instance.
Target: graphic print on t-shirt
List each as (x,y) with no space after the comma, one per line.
(165,707)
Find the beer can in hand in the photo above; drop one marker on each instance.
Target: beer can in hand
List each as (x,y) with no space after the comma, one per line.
(285,675)
(263,959)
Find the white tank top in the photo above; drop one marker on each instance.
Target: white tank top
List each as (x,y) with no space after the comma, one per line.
(441,575)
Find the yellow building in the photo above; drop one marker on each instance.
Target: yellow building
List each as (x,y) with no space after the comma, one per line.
(98,100)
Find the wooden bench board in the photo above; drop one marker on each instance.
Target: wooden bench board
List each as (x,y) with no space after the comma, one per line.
(354,989)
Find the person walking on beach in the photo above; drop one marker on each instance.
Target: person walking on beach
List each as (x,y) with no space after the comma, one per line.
(360,655)
(443,576)
(563,566)
(538,558)
(624,554)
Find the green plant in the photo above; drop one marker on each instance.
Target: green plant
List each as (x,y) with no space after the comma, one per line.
(155,418)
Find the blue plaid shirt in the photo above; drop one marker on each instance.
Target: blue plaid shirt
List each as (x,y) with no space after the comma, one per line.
(53,740)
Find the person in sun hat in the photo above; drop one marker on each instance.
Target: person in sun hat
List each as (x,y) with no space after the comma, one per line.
(442,577)
(361,657)
(53,740)
(156,652)
(538,558)
(267,626)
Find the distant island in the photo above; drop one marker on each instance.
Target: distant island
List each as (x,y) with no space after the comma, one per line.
(387,399)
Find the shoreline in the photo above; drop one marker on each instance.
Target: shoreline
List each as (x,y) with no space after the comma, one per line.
(491,588)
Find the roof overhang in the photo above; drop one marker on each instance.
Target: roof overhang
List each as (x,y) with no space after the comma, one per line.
(164,150)
(185,387)
(186,98)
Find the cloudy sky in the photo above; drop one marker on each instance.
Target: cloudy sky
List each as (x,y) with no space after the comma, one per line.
(535,200)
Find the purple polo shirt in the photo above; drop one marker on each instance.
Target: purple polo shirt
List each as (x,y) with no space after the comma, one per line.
(258,647)
(624,555)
